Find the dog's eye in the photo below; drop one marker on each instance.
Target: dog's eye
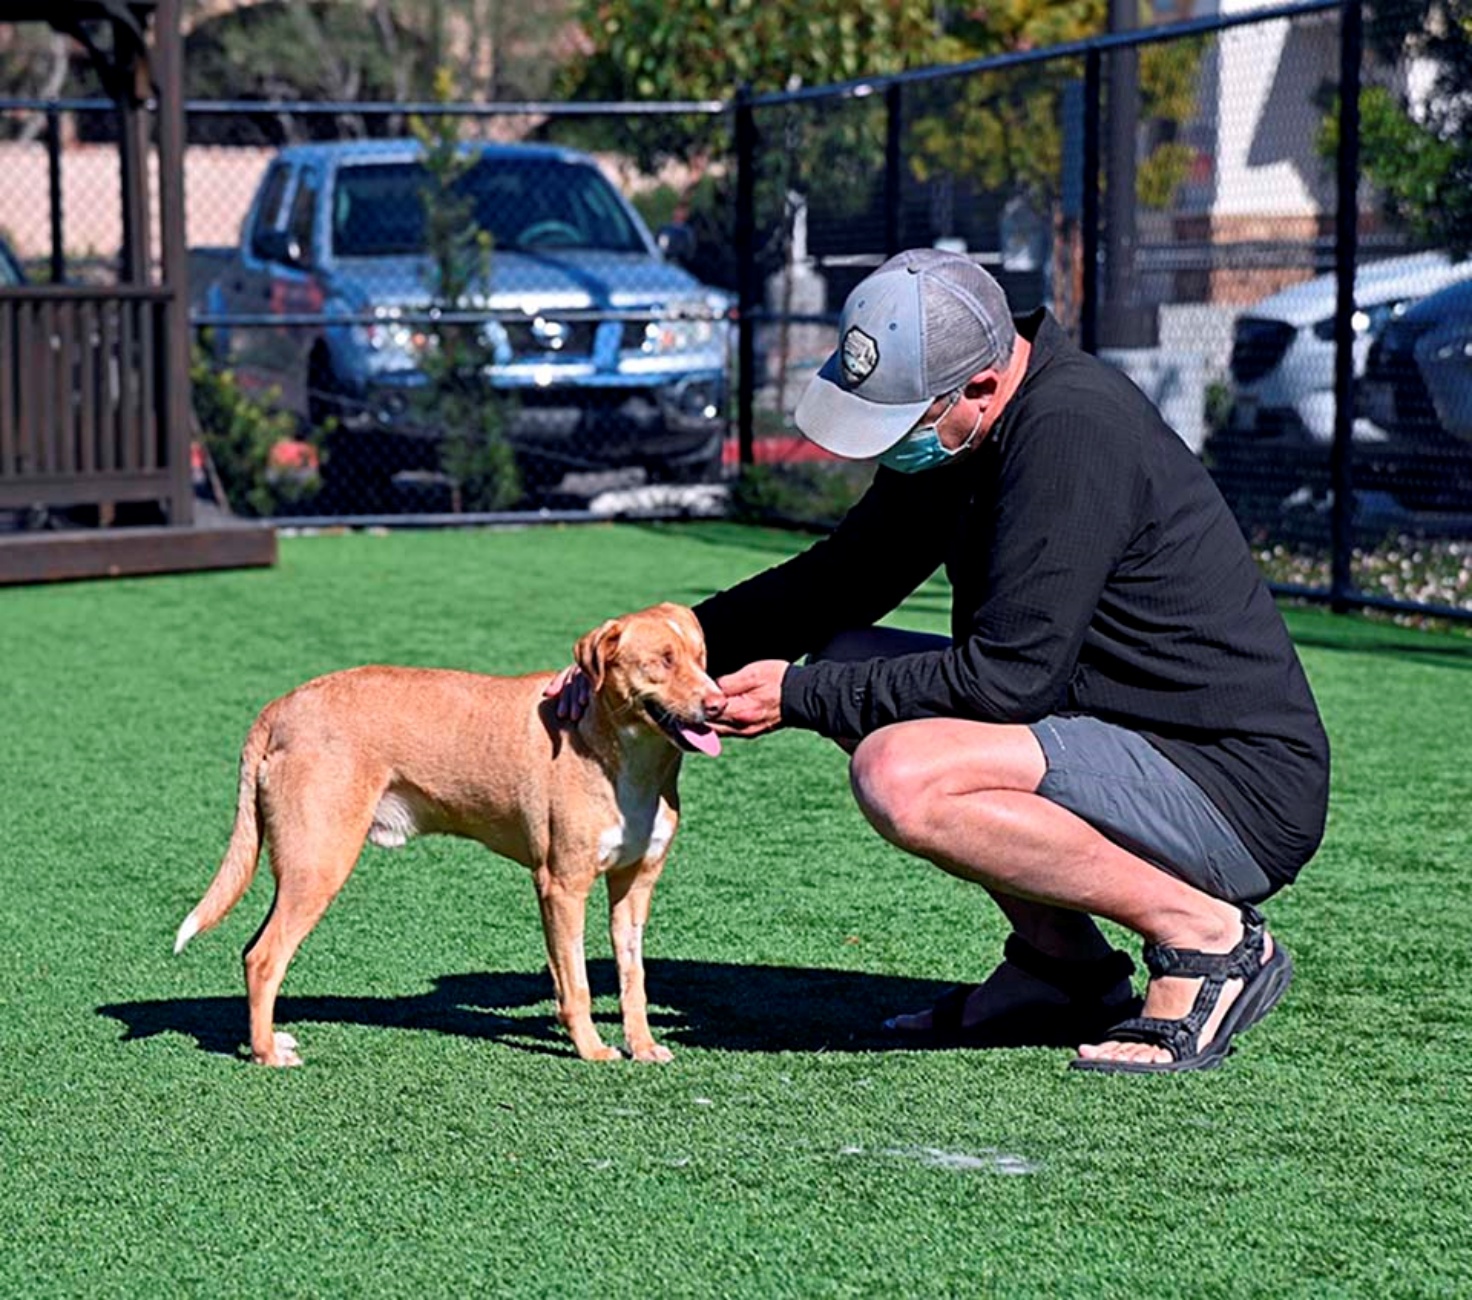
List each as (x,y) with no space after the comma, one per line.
(667,658)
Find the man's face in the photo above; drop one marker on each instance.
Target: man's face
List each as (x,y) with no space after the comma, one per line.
(960,417)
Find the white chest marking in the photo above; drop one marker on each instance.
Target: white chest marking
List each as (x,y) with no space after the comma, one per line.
(643,830)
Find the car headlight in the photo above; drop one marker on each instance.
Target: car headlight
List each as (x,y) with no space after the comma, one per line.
(1366,320)
(1456,348)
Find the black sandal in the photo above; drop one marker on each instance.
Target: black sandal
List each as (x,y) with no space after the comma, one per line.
(1264,983)
(1086,983)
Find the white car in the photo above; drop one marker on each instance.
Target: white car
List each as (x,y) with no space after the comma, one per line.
(1282,363)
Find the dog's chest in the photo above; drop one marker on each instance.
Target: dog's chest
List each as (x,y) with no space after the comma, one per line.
(643,826)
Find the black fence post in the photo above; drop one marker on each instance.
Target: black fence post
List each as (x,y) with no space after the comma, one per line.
(1088,307)
(894,165)
(1346,248)
(53,160)
(746,276)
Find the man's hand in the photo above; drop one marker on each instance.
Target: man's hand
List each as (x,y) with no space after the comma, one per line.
(572,690)
(753,699)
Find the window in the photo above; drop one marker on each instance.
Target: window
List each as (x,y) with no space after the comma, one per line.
(303,215)
(525,204)
(268,211)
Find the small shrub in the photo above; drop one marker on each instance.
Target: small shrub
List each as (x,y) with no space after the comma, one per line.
(242,433)
(807,494)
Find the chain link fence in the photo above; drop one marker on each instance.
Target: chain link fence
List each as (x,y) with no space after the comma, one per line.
(431,309)
(1184,201)
(458,309)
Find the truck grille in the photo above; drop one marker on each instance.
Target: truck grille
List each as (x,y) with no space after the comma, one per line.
(548,337)
(1392,362)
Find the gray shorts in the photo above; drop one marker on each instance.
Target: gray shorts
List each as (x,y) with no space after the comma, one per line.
(1117,781)
(1123,786)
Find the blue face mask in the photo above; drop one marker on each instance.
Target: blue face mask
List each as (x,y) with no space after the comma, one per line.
(922,449)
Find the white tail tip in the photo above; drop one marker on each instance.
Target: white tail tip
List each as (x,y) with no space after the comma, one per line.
(187,931)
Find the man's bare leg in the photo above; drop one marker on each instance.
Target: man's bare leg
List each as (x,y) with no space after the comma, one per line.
(1056,932)
(964,795)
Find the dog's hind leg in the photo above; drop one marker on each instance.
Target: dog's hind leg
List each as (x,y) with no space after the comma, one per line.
(317,817)
(564,899)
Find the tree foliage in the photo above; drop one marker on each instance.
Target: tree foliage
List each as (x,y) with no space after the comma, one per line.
(1000,130)
(1418,153)
(350,50)
(474,453)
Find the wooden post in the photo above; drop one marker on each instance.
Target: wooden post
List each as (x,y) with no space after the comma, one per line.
(168,68)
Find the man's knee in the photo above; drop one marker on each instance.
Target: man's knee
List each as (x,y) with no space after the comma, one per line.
(890,776)
(902,773)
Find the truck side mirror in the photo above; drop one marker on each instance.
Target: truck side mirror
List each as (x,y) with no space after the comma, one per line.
(280,246)
(677,242)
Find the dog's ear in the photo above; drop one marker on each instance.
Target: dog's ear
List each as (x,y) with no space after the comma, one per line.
(593,651)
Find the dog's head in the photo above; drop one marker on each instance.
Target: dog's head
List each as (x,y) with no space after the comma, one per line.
(648,668)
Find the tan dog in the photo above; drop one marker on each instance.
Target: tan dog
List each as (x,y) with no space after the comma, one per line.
(386,753)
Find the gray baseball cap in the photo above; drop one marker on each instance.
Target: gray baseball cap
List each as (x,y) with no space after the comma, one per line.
(914,330)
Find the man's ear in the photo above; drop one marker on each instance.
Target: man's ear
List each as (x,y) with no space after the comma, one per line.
(592,652)
(983,385)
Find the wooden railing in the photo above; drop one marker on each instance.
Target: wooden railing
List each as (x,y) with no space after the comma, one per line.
(82,420)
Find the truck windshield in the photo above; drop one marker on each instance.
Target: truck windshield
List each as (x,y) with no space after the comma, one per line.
(542,204)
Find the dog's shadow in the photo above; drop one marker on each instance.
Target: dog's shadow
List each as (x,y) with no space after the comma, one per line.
(692,1004)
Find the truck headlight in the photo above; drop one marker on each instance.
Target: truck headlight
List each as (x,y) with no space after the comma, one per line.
(391,334)
(663,337)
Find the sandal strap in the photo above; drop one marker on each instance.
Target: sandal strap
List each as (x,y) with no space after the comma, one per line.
(1181,1038)
(1081,980)
(1242,962)
(1173,1035)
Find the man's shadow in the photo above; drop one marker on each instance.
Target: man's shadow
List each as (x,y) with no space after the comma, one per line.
(693,1004)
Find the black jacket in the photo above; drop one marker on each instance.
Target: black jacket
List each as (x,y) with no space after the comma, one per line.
(1095,569)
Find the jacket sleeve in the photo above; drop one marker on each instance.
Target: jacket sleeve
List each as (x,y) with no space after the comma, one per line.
(885,547)
(1056,521)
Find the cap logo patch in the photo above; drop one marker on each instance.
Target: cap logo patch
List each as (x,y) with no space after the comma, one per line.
(860,356)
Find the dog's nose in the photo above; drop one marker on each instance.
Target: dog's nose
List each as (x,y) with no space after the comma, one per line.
(713,701)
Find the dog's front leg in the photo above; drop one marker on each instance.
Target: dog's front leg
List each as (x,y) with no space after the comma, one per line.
(629,892)
(564,897)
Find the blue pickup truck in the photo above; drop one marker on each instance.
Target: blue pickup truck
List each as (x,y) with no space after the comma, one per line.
(614,355)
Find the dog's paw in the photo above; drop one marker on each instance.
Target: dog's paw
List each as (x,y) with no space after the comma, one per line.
(283,1053)
(602,1053)
(652,1051)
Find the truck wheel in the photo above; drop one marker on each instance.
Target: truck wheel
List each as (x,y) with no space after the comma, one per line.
(324,402)
(706,467)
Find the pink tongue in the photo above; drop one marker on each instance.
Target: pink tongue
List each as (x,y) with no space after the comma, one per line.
(707,742)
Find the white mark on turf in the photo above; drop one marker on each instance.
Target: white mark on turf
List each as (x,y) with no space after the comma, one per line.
(989,1160)
(703,1101)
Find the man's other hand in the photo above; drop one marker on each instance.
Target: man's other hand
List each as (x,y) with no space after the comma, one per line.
(572,690)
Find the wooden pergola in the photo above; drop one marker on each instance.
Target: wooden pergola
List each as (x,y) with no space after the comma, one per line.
(94,379)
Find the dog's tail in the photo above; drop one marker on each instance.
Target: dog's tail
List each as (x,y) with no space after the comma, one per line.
(243,854)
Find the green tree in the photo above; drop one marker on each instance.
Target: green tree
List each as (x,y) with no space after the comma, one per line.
(366,50)
(1001,131)
(474,453)
(1418,156)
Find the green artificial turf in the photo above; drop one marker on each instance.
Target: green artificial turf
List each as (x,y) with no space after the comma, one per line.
(442,1139)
